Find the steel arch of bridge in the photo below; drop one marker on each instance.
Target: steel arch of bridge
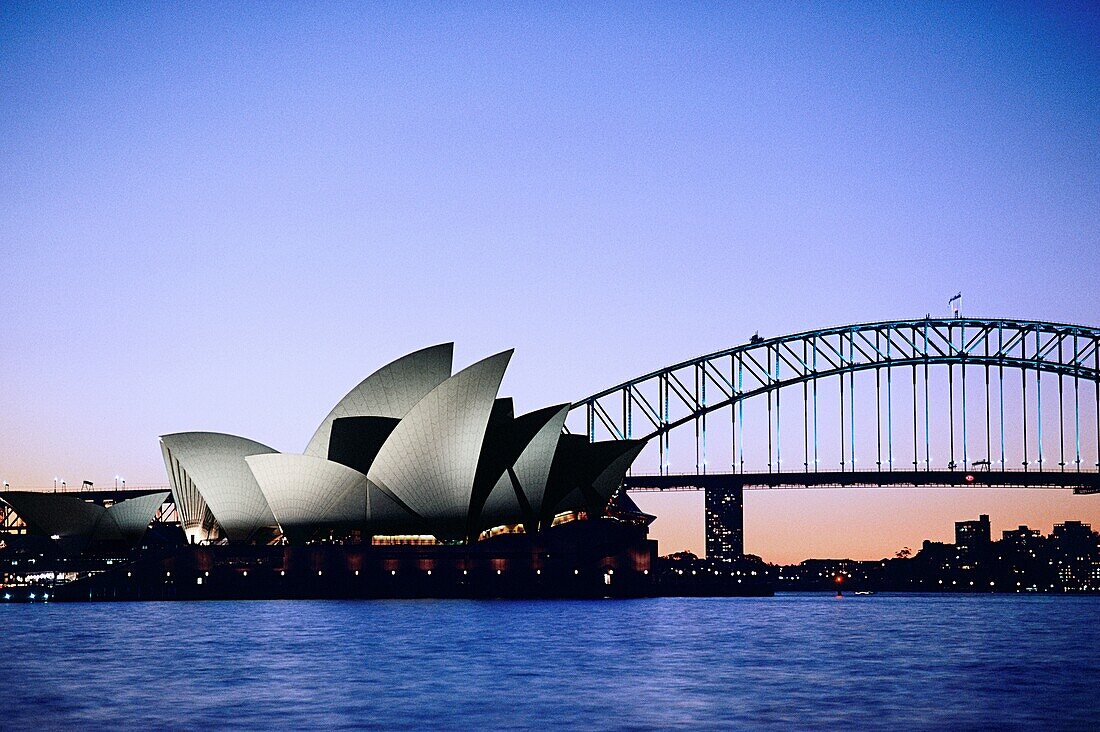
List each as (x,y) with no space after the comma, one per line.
(765,365)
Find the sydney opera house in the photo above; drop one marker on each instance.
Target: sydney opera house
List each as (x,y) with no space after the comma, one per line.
(415,468)
(412,451)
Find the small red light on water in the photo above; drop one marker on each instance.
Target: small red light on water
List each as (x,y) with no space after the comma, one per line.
(839,579)
(969,478)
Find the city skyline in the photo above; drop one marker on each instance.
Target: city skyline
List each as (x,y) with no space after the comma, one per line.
(207,208)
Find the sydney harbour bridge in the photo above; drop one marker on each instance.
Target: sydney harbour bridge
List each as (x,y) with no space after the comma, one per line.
(954,402)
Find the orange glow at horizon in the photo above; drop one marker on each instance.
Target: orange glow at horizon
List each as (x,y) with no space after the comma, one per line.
(788,526)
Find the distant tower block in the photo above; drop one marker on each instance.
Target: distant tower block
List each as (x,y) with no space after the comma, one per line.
(725,522)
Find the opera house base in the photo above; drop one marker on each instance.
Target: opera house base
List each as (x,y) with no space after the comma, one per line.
(601,558)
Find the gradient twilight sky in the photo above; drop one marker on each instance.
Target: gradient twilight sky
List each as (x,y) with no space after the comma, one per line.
(222,216)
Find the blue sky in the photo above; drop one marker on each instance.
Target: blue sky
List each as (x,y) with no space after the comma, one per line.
(222,216)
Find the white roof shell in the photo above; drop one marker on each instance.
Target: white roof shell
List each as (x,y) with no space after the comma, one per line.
(388,516)
(215,462)
(609,480)
(429,460)
(130,518)
(194,515)
(305,491)
(532,468)
(391,391)
(606,482)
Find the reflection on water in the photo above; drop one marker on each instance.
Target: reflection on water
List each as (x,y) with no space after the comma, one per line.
(886,662)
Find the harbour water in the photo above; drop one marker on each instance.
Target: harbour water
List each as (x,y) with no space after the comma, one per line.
(794,661)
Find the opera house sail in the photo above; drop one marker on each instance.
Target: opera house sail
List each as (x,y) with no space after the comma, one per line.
(388,393)
(215,466)
(429,461)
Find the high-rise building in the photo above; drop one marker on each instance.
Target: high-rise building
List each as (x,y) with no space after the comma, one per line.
(972,536)
(725,522)
(1074,539)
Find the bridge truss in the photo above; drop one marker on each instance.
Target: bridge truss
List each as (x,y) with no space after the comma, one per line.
(1001,385)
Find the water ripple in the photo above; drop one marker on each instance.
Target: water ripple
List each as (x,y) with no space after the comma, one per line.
(894,662)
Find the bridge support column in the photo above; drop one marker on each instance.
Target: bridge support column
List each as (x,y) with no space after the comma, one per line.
(725,521)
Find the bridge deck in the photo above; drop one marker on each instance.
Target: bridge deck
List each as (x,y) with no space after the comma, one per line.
(1079,482)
